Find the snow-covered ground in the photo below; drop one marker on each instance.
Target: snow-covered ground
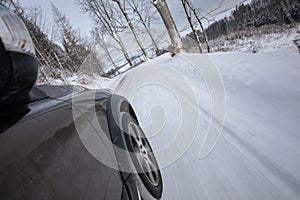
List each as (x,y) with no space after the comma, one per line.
(257,155)
(244,102)
(254,41)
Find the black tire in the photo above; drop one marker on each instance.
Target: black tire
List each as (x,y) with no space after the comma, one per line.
(121,118)
(149,182)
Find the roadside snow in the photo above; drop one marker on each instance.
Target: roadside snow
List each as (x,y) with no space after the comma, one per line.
(257,156)
(257,42)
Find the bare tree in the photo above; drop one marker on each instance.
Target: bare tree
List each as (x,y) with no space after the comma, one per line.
(163,9)
(142,10)
(98,37)
(195,12)
(189,18)
(208,15)
(122,9)
(107,18)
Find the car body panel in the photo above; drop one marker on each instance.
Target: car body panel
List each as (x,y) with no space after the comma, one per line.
(42,155)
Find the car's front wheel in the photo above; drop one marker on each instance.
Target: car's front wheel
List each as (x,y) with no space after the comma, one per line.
(148,178)
(136,160)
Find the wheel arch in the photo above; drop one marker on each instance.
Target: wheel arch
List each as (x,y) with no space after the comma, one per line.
(122,105)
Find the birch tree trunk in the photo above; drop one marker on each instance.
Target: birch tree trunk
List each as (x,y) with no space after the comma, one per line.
(103,14)
(150,34)
(131,28)
(200,24)
(163,9)
(189,18)
(286,12)
(204,34)
(136,10)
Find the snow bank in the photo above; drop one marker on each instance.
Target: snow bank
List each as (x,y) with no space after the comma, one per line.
(257,156)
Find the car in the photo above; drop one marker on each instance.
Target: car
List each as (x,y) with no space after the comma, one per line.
(66,142)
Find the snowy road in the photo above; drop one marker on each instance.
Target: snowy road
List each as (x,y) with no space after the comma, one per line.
(258,153)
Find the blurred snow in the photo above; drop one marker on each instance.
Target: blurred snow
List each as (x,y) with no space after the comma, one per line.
(257,156)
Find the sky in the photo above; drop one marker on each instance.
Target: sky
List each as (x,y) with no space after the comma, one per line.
(84,23)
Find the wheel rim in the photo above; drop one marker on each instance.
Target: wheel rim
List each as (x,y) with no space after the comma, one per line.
(144,154)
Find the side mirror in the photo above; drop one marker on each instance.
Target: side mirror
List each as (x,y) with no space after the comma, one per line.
(18,68)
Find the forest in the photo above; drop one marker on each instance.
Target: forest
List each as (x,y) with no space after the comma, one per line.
(256,14)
